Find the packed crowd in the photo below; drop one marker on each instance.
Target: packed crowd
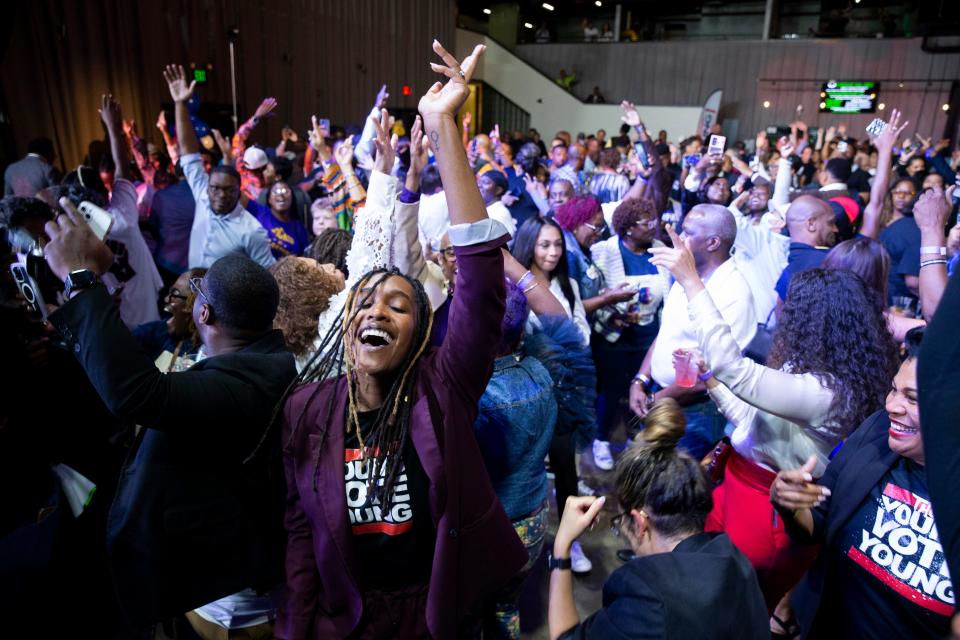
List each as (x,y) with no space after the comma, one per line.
(318,390)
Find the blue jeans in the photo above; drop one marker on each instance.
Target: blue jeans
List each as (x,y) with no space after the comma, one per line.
(705,425)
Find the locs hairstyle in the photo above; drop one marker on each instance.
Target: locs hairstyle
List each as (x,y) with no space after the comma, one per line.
(388,435)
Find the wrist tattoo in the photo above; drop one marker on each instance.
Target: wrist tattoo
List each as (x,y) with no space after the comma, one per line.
(435,140)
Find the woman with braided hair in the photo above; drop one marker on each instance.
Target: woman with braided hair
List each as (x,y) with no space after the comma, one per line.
(393,526)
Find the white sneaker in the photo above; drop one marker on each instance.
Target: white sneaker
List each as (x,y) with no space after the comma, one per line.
(584,489)
(602,457)
(579,563)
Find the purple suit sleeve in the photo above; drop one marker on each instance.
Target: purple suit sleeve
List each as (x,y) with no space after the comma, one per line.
(476,312)
(295,617)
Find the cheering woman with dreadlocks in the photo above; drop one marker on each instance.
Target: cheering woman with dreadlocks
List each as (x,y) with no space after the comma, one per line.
(393,526)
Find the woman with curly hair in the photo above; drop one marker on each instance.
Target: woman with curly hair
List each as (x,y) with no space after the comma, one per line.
(631,326)
(305,291)
(331,247)
(830,367)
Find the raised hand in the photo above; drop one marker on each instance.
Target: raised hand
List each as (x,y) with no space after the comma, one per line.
(795,489)
(534,187)
(344,157)
(266,108)
(466,120)
(446,99)
(224,145)
(888,137)
(630,115)
(679,261)
(110,113)
(419,155)
(129,128)
(385,142)
(932,209)
(162,121)
(318,140)
(176,79)
(380,101)
(73,245)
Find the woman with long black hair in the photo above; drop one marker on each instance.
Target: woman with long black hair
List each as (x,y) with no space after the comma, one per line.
(393,527)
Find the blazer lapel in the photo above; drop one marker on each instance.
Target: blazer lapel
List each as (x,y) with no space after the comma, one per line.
(878,459)
(428,450)
(331,490)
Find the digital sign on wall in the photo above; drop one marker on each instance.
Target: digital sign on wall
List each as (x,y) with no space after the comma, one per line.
(849,97)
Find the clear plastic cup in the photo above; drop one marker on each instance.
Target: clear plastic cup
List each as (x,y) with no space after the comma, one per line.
(686,368)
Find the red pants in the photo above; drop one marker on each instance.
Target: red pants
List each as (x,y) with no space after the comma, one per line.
(742,509)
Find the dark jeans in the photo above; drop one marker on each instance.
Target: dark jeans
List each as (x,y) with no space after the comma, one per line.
(563,461)
(616,365)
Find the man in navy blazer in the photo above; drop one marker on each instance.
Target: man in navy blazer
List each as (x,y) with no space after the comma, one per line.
(195,517)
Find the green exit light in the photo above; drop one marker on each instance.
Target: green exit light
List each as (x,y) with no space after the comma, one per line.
(200,75)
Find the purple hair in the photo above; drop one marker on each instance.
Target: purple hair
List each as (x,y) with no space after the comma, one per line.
(575,211)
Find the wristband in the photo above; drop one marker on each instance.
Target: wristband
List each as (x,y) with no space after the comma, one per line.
(927,263)
(706,375)
(932,250)
(562,564)
(525,279)
(642,380)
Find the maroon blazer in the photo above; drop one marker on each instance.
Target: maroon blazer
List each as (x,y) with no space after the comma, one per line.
(477,549)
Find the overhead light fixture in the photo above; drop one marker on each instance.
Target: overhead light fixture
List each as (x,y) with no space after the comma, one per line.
(823,105)
(881,106)
(766,104)
(598,3)
(900,85)
(946,106)
(548,7)
(528,25)
(487,11)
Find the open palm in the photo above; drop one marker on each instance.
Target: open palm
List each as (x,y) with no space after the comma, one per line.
(176,79)
(446,99)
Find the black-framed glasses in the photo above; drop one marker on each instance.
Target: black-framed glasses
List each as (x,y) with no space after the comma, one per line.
(175,294)
(195,287)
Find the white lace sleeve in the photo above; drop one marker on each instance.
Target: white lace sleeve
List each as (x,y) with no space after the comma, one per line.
(372,244)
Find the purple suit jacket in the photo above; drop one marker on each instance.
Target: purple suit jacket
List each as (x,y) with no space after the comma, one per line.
(477,549)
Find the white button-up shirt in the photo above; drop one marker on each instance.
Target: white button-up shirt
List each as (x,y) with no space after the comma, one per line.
(216,235)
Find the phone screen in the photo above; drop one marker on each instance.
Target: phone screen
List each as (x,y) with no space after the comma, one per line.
(717,143)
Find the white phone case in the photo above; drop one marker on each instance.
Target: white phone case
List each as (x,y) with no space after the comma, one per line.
(99,220)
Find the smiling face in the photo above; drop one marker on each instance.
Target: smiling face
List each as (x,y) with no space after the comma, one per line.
(224,192)
(381,334)
(719,191)
(178,324)
(549,249)
(280,198)
(904,435)
(759,197)
(589,232)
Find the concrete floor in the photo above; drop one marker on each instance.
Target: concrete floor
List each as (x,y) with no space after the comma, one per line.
(600,545)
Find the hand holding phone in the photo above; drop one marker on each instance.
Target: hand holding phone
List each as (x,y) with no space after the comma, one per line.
(717,144)
(99,220)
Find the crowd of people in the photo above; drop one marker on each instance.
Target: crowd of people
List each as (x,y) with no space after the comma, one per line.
(320,389)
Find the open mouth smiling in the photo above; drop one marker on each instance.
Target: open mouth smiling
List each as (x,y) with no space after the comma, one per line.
(375,338)
(900,430)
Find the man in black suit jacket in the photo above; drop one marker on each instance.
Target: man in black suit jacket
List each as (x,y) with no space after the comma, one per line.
(196,517)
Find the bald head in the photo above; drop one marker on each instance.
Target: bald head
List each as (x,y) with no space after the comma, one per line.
(718,221)
(709,231)
(811,221)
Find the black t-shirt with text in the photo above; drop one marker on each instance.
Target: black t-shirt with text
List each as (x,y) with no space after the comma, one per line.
(888,574)
(393,549)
